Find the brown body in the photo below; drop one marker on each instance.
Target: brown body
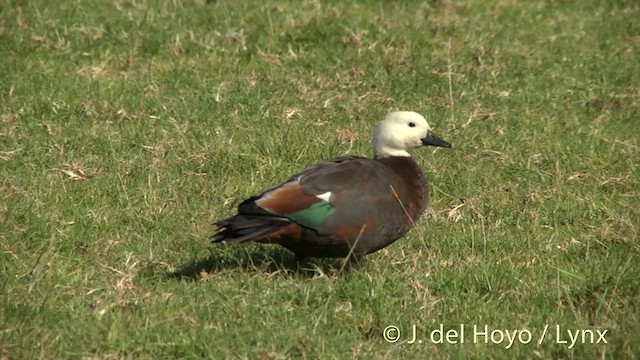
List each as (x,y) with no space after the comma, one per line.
(374,202)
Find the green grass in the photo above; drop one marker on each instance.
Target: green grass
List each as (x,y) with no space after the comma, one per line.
(129,127)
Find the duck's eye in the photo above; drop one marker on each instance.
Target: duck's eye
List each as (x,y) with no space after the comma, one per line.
(412,124)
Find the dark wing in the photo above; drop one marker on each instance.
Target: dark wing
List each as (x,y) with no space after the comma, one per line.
(300,198)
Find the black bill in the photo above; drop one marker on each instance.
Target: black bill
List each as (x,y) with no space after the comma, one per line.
(433,140)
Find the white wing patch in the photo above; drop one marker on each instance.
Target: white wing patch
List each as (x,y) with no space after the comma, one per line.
(326,196)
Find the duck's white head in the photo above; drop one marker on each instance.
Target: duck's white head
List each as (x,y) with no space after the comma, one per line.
(401,131)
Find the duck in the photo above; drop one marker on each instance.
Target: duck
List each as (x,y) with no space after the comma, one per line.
(347,207)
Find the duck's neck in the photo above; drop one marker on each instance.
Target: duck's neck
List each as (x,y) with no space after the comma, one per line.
(414,178)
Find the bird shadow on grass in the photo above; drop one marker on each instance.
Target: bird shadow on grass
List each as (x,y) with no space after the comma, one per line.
(265,259)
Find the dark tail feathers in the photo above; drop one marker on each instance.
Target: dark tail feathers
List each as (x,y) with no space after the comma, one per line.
(241,228)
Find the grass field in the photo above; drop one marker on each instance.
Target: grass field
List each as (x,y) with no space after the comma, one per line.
(129,127)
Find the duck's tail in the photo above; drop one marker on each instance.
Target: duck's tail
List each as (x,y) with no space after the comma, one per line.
(242,228)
